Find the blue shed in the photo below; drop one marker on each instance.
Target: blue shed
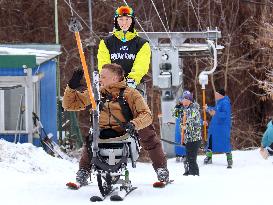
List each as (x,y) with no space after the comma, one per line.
(27,85)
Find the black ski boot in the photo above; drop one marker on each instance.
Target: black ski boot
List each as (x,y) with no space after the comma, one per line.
(81,177)
(186,167)
(229,160)
(162,174)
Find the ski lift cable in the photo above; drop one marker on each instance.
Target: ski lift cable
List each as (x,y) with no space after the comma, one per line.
(168,33)
(70,5)
(145,14)
(166,15)
(73,11)
(198,20)
(142,28)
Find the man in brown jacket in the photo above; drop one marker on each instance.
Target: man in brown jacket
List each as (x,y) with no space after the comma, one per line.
(112,81)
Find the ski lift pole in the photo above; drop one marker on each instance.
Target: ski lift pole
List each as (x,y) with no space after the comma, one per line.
(203,80)
(204,112)
(75,26)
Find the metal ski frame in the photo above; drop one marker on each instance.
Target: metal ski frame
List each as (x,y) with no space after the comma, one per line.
(110,178)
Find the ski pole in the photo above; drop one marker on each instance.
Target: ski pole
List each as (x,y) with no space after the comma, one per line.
(75,26)
(172,143)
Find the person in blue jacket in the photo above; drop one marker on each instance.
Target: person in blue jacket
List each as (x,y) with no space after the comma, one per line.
(267,141)
(219,128)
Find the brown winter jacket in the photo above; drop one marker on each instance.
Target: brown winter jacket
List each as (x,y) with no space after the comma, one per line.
(74,101)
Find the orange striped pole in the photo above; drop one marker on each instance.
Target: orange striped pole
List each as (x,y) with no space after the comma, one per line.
(205,114)
(85,70)
(183,125)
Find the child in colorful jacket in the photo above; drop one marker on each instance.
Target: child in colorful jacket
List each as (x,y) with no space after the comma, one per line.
(189,113)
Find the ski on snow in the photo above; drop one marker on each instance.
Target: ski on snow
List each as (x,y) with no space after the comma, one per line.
(122,194)
(96,198)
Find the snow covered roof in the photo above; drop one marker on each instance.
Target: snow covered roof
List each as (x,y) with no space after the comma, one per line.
(43,52)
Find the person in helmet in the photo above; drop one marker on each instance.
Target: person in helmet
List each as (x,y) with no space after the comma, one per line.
(124,47)
(133,53)
(189,113)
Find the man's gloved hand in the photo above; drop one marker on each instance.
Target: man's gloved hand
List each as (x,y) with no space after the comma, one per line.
(130,128)
(131,83)
(74,82)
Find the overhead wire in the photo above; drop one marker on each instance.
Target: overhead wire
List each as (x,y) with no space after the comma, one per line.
(141,27)
(168,33)
(70,6)
(165,15)
(198,20)
(146,18)
(72,13)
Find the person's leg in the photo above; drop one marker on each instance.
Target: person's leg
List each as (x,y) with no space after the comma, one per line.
(186,165)
(192,148)
(85,159)
(208,159)
(83,173)
(270,149)
(151,143)
(229,159)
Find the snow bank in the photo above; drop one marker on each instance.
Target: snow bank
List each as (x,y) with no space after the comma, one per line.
(26,158)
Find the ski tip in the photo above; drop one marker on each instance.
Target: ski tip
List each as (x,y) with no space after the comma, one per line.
(95,198)
(72,185)
(116,198)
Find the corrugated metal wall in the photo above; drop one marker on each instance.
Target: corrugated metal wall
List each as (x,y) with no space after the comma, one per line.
(48,112)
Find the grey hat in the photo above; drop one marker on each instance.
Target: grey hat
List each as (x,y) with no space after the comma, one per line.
(186,95)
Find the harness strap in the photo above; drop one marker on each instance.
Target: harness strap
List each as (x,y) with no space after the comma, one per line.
(125,109)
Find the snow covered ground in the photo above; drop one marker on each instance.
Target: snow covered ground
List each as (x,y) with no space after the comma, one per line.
(29,176)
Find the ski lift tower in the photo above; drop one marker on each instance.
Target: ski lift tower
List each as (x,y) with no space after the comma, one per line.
(168,51)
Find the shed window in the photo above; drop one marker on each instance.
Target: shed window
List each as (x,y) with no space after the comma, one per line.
(13,108)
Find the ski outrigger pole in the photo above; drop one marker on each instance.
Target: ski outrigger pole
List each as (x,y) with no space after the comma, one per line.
(75,27)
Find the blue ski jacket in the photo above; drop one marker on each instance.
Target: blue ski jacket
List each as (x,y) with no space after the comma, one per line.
(220,126)
(267,139)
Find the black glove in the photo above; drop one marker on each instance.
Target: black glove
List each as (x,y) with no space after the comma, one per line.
(130,128)
(74,82)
